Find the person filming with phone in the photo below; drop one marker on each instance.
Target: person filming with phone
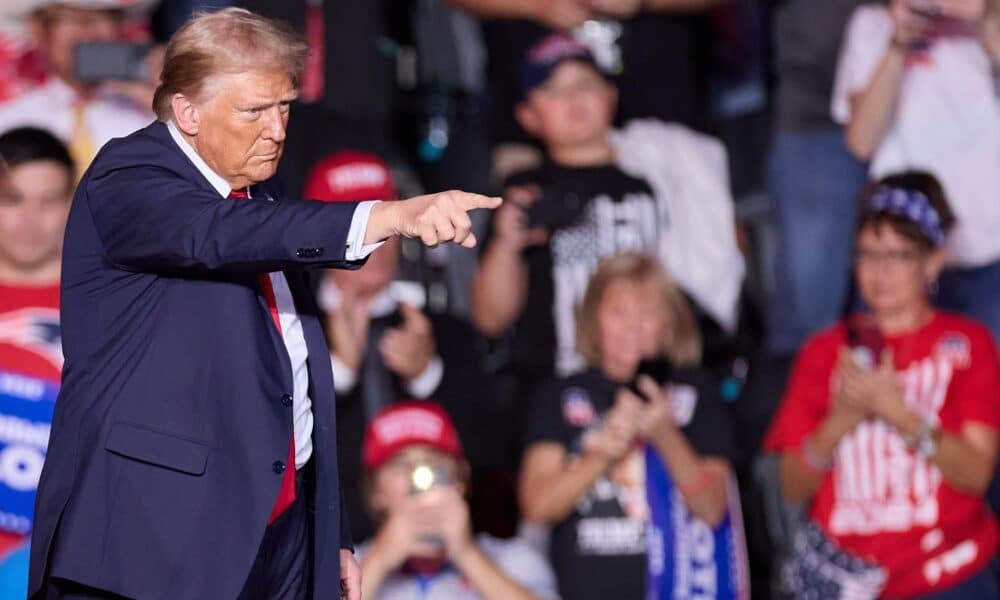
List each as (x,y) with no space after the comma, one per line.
(583,468)
(888,427)
(916,89)
(99,87)
(415,478)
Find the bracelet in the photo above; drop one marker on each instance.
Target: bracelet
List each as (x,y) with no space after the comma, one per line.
(812,460)
(697,486)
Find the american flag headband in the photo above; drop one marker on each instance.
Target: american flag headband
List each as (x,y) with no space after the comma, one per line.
(912,205)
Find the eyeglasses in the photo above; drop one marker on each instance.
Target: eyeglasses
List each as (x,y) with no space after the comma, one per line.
(892,258)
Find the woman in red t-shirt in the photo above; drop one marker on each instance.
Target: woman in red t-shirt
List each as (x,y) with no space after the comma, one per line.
(889,424)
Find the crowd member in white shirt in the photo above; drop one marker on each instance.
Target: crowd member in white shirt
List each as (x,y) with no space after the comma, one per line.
(84,115)
(916,90)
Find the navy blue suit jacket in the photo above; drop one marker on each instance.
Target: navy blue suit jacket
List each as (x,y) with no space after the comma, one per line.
(160,471)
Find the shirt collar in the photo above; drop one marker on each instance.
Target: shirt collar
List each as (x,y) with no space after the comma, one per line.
(214,179)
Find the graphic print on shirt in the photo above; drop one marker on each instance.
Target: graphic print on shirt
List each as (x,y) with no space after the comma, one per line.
(882,485)
(34,330)
(614,512)
(608,226)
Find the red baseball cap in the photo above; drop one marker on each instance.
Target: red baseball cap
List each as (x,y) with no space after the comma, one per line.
(409,424)
(350,176)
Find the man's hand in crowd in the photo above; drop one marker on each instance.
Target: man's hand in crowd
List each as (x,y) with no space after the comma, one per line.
(910,24)
(347,328)
(433,218)
(510,227)
(409,348)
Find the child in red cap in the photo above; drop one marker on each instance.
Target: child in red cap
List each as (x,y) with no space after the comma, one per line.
(415,479)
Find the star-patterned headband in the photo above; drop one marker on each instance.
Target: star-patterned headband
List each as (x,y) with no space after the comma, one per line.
(912,205)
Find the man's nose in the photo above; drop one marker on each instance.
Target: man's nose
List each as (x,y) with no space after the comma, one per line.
(276,125)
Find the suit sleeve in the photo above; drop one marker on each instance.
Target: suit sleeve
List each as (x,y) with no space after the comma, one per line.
(152,219)
(346,540)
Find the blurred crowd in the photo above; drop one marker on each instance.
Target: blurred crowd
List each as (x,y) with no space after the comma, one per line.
(747,271)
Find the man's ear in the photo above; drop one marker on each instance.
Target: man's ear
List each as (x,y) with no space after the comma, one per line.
(186,114)
(529,119)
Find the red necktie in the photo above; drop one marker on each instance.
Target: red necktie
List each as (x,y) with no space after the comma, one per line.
(286,495)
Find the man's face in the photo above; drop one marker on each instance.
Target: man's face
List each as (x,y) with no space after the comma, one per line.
(575,105)
(241,124)
(34,204)
(58,29)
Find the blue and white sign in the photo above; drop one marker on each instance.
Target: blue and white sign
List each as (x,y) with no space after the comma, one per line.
(26,405)
(687,559)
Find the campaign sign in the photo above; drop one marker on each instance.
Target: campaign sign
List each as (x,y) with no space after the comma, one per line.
(26,405)
(687,559)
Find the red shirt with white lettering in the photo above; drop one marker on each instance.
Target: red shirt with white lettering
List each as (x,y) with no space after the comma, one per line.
(882,500)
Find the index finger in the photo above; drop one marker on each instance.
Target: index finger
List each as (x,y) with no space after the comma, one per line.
(468,201)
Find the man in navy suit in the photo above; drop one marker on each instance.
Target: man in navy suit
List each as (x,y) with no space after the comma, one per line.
(192,452)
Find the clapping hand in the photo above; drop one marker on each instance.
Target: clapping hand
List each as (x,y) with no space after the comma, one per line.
(409,348)
(617,434)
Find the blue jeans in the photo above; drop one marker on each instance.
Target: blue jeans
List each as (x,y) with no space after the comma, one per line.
(814,184)
(974,293)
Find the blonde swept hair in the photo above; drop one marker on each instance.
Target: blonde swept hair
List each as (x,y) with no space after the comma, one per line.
(682,340)
(231,40)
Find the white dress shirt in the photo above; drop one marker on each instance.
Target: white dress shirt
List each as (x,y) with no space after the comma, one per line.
(291,324)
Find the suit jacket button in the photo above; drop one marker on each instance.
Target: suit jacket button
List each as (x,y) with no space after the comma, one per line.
(278,466)
(302,253)
(286,400)
(319,251)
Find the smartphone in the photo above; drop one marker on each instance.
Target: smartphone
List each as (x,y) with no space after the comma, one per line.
(426,476)
(118,61)
(865,340)
(658,369)
(555,209)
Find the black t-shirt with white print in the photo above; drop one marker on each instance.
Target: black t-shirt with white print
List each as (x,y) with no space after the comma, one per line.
(618,214)
(599,551)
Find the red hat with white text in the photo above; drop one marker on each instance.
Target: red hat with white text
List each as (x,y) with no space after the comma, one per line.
(350,176)
(409,424)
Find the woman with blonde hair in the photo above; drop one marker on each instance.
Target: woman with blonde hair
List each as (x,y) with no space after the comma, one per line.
(583,471)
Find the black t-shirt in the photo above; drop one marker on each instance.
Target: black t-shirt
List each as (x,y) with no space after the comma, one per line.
(661,72)
(599,551)
(618,214)
(808,36)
